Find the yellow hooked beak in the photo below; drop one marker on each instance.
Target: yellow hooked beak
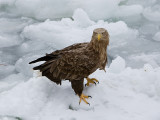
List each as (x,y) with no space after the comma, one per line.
(99,37)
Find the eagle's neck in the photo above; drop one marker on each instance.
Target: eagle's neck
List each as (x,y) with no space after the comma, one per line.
(100,47)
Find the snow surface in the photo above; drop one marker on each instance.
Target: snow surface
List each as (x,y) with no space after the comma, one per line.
(121,94)
(130,88)
(157,36)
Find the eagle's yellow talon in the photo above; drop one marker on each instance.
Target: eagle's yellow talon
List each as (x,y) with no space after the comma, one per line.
(82,97)
(91,80)
(95,80)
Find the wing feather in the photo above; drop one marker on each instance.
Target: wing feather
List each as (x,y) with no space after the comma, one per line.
(73,62)
(72,65)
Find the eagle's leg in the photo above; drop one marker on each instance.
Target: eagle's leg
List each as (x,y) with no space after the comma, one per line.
(77,86)
(82,97)
(91,80)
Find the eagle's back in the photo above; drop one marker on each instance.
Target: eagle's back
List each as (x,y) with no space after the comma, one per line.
(71,63)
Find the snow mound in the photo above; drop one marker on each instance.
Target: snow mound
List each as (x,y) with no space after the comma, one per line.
(9,118)
(149,29)
(130,93)
(11,81)
(117,65)
(25,95)
(49,9)
(59,34)
(157,36)
(81,18)
(127,11)
(24,63)
(6,70)
(7,41)
(146,58)
(152,13)
(10,29)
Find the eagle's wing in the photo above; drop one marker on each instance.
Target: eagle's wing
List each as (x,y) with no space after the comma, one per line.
(71,47)
(71,65)
(56,53)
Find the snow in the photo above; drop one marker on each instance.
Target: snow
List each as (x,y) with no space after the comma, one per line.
(9,118)
(130,94)
(152,13)
(9,30)
(81,18)
(117,65)
(128,90)
(6,70)
(53,9)
(156,37)
(67,29)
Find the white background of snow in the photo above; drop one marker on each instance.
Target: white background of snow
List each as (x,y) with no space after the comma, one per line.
(130,88)
(122,94)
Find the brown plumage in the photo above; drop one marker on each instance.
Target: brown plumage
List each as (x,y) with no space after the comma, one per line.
(76,62)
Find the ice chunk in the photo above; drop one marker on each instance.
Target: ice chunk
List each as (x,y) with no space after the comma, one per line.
(146,80)
(33,46)
(152,13)
(81,18)
(157,87)
(34,92)
(10,29)
(157,36)
(6,2)
(149,29)
(10,118)
(8,56)
(96,10)
(11,81)
(6,70)
(54,33)
(117,65)
(101,9)
(142,59)
(22,65)
(9,40)
(51,9)
(126,11)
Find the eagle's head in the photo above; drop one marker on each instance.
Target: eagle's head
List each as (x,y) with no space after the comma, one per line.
(101,35)
(100,38)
